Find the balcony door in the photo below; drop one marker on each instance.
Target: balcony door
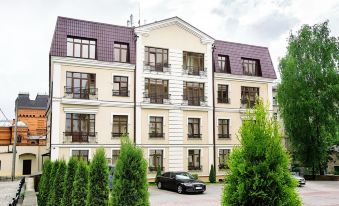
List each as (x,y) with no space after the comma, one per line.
(81,85)
(156,90)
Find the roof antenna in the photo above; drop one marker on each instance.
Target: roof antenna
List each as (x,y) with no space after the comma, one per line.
(139,22)
(131,20)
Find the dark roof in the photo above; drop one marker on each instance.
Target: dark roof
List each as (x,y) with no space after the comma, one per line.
(236,51)
(105,35)
(24,102)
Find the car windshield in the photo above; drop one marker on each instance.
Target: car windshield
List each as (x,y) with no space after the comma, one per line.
(184,176)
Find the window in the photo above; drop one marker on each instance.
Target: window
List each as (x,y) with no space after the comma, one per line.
(249,95)
(155,160)
(194,93)
(80,126)
(121,52)
(156,90)
(223,93)
(194,159)
(223,157)
(251,67)
(80,47)
(156,127)
(156,58)
(224,64)
(224,128)
(115,156)
(120,125)
(80,85)
(275,115)
(193,63)
(80,154)
(120,86)
(194,128)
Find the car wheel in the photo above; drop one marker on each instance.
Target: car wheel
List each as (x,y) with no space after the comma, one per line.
(159,185)
(180,189)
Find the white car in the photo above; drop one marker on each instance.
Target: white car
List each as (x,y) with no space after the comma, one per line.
(300,179)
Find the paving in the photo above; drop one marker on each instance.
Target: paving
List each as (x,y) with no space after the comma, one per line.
(7,191)
(314,193)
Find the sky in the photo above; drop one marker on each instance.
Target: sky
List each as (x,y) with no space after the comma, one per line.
(27,26)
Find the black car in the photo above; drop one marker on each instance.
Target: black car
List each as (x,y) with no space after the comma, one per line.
(181,182)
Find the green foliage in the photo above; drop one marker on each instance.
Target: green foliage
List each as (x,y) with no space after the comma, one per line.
(259,172)
(212,176)
(68,184)
(80,185)
(52,177)
(98,190)
(196,176)
(58,189)
(308,94)
(130,185)
(44,183)
(158,171)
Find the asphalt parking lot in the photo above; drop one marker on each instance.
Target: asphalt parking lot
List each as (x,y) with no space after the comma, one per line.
(314,193)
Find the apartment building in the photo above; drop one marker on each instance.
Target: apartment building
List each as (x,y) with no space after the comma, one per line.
(178,93)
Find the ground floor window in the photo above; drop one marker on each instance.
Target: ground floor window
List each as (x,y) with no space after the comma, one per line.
(115,156)
(80,154)
(194,156)
(156,159)
(223,157)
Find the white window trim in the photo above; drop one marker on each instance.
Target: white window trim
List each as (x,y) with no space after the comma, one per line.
(73,110)
(89,152)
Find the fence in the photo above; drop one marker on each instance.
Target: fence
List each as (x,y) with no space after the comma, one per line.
(17,196)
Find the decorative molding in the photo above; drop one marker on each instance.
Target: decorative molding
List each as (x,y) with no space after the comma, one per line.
(223,76)
(80,110)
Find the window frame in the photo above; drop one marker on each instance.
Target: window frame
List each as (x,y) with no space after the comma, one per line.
(225,156)
(120,125)
(224,65)
(78,156)
(121,91)
(194,165)
(190,89)
(157,86)
(222,124)
(223,97)
(249,95)
(157,51)
(118,46)
(251,67)
(196,57)
(115,156)
(154,156)
(83,92)
(80,136)
(155,121)
(192,123)
(72,40)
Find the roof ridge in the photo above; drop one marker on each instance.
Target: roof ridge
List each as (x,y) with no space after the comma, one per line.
(252,45)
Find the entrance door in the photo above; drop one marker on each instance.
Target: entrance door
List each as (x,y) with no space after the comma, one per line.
(26,167)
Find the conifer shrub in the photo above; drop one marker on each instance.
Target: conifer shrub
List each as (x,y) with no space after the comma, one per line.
(130,186)
(212,176)
(44,183)
(68,184)
(58,183)
(54,171)
(259,172)
(80,184)
(158,171)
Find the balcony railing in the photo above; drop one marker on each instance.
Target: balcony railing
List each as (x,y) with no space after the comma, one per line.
(156,135)
(246,103)
(224,100)
(194,136)
(194,70)
(157,67)
(157,98)
(81,93)
(80,137)
(224,136)
(120,93)
(197,168)
(223,166)
(194,101)
(118,134)
(154,168)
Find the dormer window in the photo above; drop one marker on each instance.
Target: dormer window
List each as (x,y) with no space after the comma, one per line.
(224,64)
(251,67)
(121,52)
(80,47)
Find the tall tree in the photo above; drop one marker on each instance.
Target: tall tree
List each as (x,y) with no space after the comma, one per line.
(259,173)
(58,183)
(80,185)
(130,185)
(308,94)
(68,184)
(44,183)
(98,191)
(54,171)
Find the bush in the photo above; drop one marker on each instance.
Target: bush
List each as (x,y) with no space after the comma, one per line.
(259,172)
(68,184)
(212,176)
(196,176)
(98,191)
(130,185)
(80,185)
(158,171)
(54,171)
(44,183)
(58,183)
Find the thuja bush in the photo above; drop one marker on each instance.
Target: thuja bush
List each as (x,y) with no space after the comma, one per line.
(58,183)
(158,171)
(212,176)
(68,184)
(44,183)
(54,171)
(98,191)
(80,185)
(130,185)
(259,172)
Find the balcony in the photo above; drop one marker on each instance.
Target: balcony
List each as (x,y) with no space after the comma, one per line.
(157,98)
(156,135)
(156,67)
(195,168)
(116,135)
(193,70)
(194,136)
(81,93)
(224,100)
(194,101)
(120,93)
(224,136)
(155,168)
(80,137)
(246,103)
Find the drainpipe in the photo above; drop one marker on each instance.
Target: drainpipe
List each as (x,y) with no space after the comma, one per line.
(213,96)
(15,139)
(135,92)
